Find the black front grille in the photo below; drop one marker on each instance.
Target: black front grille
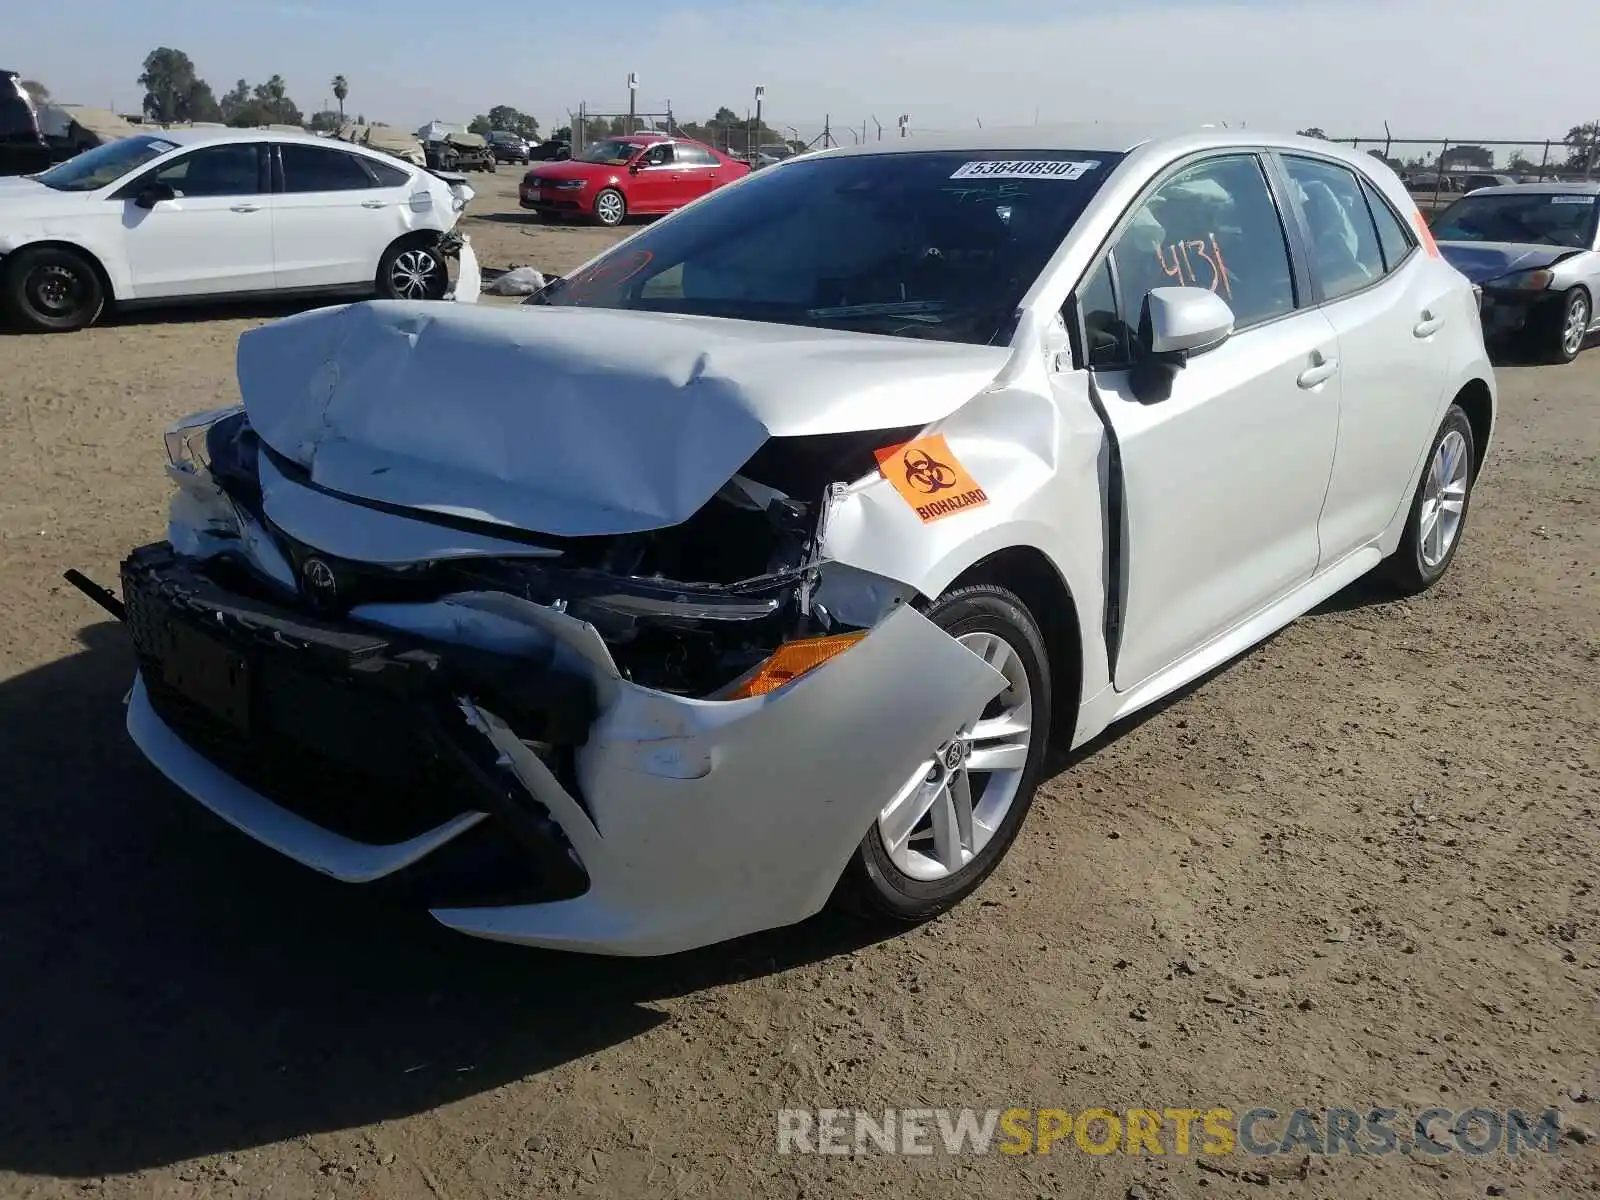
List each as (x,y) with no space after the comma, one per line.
(401,792)
(351,728)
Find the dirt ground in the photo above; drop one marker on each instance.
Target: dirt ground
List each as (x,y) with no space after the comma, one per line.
(1357,867)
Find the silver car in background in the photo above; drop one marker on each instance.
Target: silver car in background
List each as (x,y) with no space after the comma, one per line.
(1534,250)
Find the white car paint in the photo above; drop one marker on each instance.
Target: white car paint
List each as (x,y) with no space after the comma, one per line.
(259,240)
(1280,468)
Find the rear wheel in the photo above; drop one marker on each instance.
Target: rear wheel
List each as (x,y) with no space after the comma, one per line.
(413,271)
(610,208)
(1438,510)
(51,289)
(941,834)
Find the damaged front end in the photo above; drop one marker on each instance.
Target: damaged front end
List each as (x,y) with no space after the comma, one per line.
(624,743)
(695,609)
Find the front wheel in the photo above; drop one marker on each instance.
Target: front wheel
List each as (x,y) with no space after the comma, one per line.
(1438,510)
(413,271)
(938,837)
(51,289)
(1566,327)
(610,208)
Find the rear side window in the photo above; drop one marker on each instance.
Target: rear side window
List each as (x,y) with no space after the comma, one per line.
(695,156)
(387,174)
(1344,241)
(1393,237)
(318,169)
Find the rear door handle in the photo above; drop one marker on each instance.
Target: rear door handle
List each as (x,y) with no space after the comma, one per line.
(374,204)
(244,208)
(1320,372)
(1428,326)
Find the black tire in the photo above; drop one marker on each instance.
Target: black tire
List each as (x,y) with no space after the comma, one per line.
(51,289)
(1550,331)
(1408,570)
(618,214)
(872,885)
(413,260)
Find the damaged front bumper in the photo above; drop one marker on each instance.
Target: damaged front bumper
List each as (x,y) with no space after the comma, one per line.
(486,751)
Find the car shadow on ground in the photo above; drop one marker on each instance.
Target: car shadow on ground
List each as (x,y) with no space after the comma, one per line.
(533,220)
(173,990)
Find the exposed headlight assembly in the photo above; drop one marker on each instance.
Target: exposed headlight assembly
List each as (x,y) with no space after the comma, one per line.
(1523,281)
(186,439)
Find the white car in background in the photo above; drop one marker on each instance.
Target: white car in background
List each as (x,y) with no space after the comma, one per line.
(757,561)
(210,214)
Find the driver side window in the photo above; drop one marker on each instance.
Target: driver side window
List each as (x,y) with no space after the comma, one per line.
(1214,225)
(657,156)
(232,170)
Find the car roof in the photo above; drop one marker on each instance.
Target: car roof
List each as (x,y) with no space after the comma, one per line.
(199,135)
(1589,187)
(1099,136)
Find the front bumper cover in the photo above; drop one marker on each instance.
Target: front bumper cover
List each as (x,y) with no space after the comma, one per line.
(685,822)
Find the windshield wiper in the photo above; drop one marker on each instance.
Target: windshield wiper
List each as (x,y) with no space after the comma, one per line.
(919,310)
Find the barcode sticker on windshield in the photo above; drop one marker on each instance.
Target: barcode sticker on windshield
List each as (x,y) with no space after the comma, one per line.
(1036,168)
(1572,199)
(163,147)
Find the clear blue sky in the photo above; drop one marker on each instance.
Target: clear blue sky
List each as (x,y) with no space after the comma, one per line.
(1345,65)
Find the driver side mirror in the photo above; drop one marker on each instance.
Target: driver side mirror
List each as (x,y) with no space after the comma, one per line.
(1179,321)
(152,194)
(1175,323)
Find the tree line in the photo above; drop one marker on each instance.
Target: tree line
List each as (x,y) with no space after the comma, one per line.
(1579,146)
(175,92)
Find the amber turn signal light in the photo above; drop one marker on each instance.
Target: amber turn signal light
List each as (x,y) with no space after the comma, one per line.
(792,660)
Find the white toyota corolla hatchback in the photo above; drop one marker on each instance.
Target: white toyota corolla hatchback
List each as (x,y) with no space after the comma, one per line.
(755,563)
(212,214)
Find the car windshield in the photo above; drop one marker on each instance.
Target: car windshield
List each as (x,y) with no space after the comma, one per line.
(937,245)
(1539,218)
(94,169)
(611,151)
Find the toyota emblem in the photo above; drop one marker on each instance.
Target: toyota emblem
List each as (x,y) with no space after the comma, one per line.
(321,586)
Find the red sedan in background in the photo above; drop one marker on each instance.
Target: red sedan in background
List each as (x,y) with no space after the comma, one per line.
(638,173)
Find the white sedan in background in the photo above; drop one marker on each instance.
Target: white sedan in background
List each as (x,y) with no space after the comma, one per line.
(756,562)
(220,213)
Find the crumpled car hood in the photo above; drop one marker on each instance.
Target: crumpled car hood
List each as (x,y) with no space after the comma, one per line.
(1483,261)
(571,421)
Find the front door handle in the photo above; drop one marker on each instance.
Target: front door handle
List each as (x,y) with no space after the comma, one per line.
(1428,326)
(243,208)
(1321,370)
(374,204)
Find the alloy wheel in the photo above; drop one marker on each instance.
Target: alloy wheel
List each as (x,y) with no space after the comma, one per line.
(1444,499)
(953,804)
(1577,326)
(609,208)
(413,273)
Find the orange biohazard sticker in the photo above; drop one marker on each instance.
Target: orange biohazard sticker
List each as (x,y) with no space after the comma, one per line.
(928,477)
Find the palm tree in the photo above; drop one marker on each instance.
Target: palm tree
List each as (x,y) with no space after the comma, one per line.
(341,89)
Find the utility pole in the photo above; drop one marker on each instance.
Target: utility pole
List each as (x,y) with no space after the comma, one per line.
(760,95)
(633,92)
(904,121)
